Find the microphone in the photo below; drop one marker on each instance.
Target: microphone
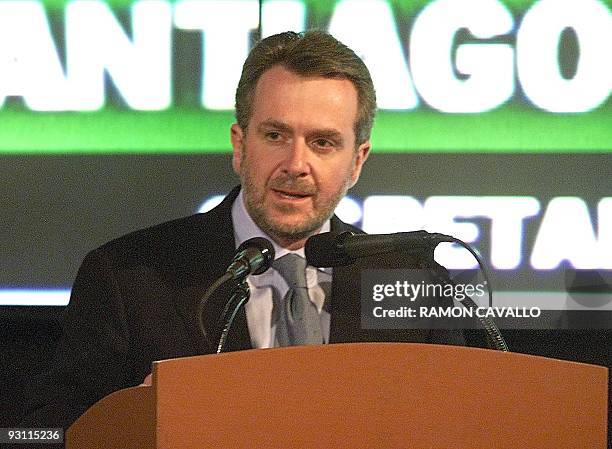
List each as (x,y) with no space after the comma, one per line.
(253,256)
(332,249)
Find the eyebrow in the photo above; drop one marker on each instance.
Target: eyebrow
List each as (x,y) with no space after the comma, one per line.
(271,123)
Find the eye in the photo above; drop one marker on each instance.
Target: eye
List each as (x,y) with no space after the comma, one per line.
(323,144)
(273,136)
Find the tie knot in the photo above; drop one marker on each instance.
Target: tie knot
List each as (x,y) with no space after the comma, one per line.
(293,269)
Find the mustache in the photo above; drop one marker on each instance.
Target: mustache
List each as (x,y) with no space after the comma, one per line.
(293,184)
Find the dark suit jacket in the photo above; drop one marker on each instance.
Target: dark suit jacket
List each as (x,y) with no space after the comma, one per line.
(135,299)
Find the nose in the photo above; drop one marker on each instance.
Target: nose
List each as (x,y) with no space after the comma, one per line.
(296,163)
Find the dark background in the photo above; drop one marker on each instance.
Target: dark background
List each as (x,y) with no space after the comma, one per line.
(57,208)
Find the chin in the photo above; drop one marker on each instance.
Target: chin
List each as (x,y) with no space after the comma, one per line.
(298,228)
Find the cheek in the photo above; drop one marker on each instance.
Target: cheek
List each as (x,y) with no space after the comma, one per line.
(257,169)
(335,180)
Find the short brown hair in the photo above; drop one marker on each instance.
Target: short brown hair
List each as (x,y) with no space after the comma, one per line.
(312,53)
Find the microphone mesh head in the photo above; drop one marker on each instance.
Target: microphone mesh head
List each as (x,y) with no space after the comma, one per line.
(263,246)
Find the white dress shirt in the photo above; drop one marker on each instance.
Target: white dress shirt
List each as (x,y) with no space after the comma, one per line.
(269,289)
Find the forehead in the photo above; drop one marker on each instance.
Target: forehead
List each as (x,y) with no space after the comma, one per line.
(304,100)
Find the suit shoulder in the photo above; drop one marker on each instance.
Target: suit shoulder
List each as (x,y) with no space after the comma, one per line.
(159,233)
(166,244)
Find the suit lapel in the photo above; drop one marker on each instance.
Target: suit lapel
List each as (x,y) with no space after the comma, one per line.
(215,240)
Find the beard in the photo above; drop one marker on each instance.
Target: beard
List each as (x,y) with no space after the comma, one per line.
(305,223)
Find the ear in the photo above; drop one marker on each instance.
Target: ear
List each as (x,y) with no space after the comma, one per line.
(237,138)
(362,155)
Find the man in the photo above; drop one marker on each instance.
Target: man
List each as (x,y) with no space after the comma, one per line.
(304,106)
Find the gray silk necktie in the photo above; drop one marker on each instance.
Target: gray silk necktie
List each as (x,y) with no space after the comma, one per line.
(300,323)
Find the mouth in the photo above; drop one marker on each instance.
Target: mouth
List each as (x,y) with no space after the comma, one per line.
(291,195)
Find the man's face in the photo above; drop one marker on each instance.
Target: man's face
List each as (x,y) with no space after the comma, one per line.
(297,158)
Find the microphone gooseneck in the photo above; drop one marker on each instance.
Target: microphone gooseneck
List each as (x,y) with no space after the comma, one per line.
(253,256)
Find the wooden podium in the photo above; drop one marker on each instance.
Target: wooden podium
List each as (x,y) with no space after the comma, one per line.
(367,395)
